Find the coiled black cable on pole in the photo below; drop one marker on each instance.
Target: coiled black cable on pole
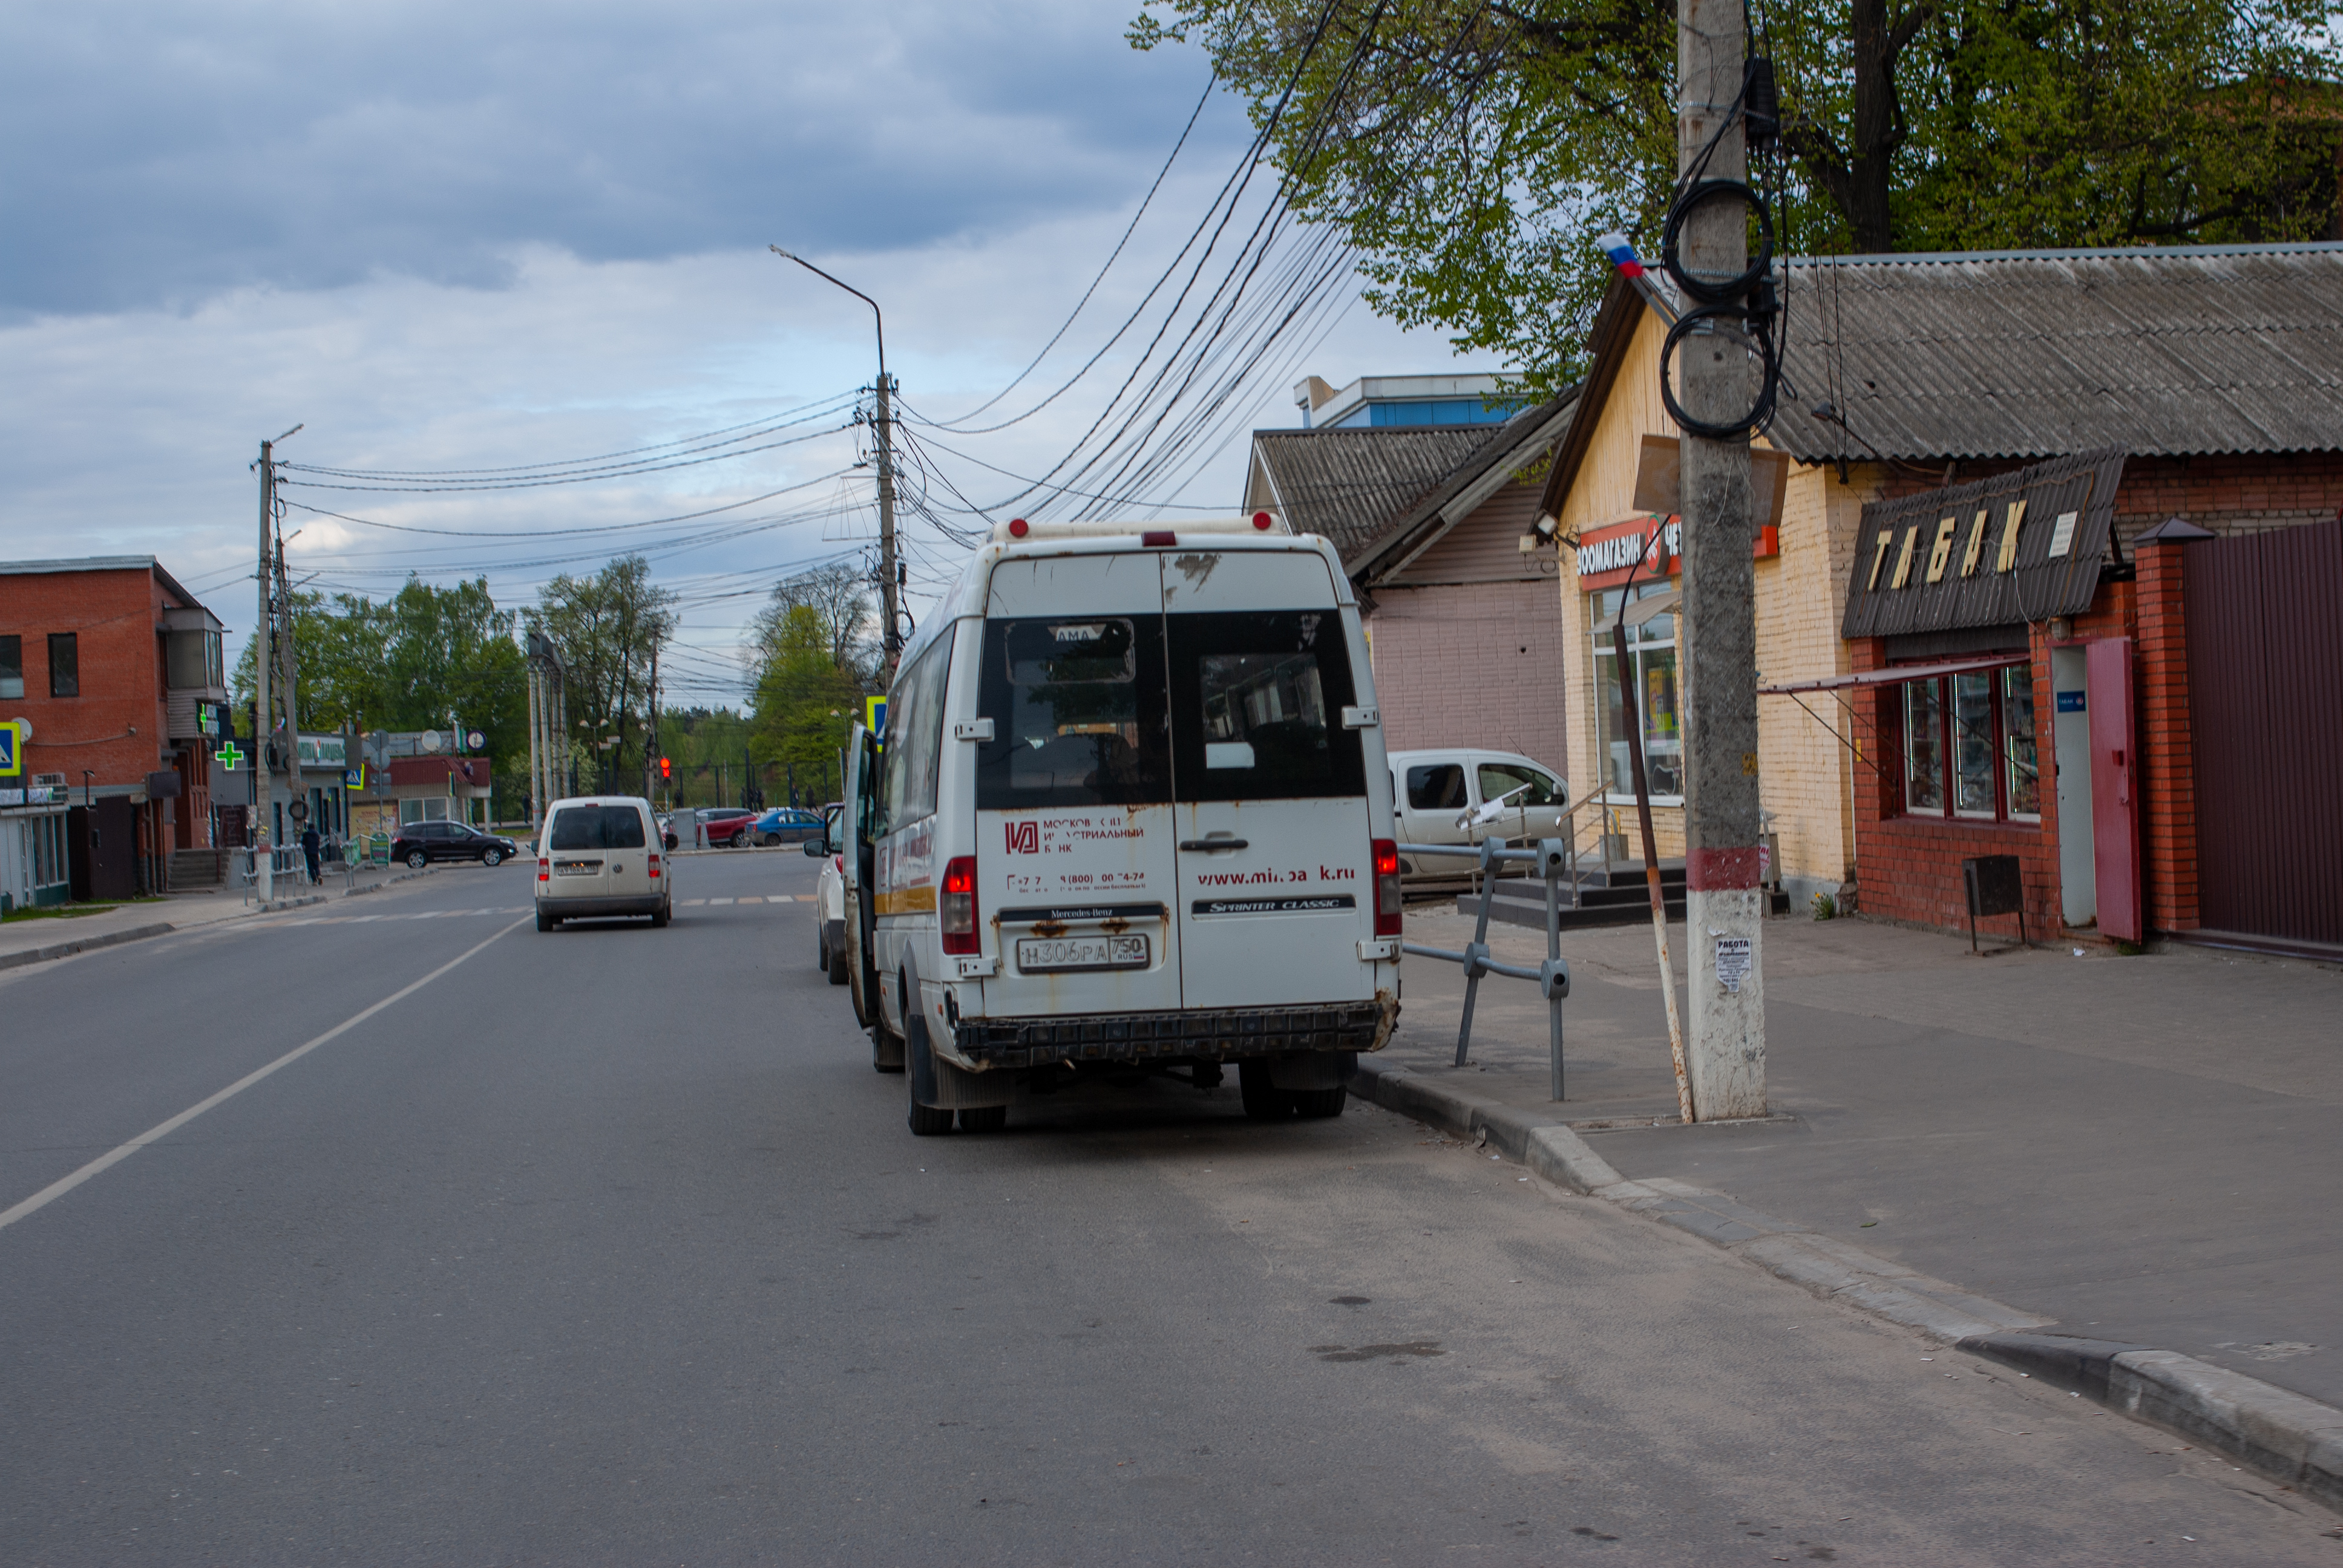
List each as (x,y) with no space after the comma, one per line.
(1706,291)
(1747,300)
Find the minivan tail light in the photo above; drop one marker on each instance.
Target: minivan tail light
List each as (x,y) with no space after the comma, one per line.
(1387,904)
(544,870)
(654,866)
(956,910)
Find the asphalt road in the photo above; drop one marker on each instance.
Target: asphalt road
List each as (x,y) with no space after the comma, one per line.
(607,1245)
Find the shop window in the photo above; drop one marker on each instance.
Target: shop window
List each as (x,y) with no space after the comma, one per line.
(1969,747)
(11,667)
(1652,665)
(64,664)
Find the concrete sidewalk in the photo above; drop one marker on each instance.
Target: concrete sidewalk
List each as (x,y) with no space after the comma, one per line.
(38,940)
(2142,1150)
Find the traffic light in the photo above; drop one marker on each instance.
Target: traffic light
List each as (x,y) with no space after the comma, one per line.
(667,770)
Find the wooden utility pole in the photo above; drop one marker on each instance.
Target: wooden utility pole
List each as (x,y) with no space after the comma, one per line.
(264,788)
(1718,376)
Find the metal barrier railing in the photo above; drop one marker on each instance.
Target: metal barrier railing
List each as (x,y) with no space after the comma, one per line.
(1553,859)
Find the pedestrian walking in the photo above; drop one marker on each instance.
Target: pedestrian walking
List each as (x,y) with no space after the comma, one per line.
(309,846)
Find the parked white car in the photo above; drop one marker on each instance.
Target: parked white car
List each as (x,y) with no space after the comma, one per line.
(829,899)
(1462,794)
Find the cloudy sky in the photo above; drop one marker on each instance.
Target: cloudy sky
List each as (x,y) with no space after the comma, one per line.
(483,236)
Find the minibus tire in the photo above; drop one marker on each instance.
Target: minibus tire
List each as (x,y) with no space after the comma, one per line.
(838,975)
(1313,1103)
(1263,1100)
(985,1119)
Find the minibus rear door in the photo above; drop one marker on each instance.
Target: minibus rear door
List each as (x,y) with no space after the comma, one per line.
(1275,847)
(1075,867)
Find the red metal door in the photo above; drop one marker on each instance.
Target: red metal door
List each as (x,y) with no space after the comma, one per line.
(2114,766)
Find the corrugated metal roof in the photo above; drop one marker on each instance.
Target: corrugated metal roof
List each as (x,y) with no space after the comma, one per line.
(1349,485)
(2176,350)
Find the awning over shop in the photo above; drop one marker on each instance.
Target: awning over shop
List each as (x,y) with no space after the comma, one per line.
(1898,673)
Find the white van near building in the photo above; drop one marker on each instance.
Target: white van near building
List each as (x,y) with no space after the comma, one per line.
(1133,814)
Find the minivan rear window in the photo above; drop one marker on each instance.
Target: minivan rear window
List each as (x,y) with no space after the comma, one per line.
(1078,714)
(1256,706)
(597,828)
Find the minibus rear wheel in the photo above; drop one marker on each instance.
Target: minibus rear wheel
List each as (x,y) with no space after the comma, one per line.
(1263,1100)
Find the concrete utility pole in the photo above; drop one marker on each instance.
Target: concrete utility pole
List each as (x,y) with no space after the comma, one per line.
(1723,914)
(297,787)
(891,640)
(264,788)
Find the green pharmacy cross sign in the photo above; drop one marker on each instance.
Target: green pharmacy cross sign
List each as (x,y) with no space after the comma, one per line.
(229,757)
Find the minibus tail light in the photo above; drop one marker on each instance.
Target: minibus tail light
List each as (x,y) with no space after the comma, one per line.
(1387,904)
(957,908)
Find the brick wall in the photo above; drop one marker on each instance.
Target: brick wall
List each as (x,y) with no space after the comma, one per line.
(117,726)
(2167,774)
(1910,866)
(1473,665)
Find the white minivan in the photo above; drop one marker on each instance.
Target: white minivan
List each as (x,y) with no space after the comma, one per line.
(1439,794)
(1131,816)
(599,855)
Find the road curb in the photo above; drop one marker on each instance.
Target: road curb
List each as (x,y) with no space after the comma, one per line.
(84,944)
(2291,1439)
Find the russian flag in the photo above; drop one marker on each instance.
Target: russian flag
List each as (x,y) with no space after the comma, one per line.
(1622,253)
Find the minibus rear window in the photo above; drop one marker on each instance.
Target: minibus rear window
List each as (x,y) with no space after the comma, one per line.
(1078,714)
(597,828)
(1255,700)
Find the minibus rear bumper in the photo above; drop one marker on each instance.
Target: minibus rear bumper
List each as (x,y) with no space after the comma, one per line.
(1222,1035)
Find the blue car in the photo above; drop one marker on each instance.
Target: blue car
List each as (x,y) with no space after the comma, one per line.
(786,825)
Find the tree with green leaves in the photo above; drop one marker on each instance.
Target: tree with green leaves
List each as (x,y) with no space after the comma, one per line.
(427,658)
(609,628)
(839,593)
(805,700)
(1470,151)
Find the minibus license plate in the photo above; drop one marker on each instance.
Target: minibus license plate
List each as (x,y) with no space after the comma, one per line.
(1042,955)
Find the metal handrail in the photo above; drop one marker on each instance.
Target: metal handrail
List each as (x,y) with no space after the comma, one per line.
(1555,859)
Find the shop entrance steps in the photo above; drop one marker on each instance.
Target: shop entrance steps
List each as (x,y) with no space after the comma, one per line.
(1620,900)
(193,871)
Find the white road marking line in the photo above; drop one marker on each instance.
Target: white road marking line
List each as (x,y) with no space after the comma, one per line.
(720,900)
(58,1189)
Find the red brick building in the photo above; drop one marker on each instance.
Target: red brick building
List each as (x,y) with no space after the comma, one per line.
(111,667)
(2122,669)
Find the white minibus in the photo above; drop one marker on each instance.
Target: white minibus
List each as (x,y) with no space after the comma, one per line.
(1131,815)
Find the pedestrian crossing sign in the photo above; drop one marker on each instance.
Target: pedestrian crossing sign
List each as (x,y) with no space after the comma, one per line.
(12,748)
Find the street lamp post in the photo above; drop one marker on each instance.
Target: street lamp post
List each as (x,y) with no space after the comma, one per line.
(889,641)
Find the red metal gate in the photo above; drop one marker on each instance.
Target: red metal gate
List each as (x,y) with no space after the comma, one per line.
(2266,708)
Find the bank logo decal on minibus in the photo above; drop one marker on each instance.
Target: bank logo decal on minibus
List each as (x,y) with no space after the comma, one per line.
(1024,838)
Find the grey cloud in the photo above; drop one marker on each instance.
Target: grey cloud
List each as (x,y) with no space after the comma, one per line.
(156,155)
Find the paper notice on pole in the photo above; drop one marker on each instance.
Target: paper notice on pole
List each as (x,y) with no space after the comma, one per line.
(1731,962)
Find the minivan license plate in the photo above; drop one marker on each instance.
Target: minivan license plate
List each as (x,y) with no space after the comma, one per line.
(1043,955)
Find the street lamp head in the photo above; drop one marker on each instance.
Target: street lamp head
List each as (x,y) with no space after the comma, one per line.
(784,254)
